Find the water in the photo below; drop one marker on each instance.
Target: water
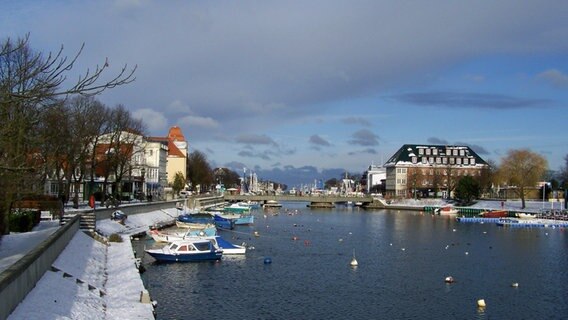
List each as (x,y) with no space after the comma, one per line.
(403,257)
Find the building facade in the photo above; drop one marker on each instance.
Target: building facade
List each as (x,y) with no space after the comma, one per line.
(430,170)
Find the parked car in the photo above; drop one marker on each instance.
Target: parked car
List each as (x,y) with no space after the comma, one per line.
(184,193)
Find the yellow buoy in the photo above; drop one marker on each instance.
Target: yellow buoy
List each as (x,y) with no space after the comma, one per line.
(481,303)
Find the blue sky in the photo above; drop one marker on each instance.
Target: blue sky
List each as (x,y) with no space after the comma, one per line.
(299,90)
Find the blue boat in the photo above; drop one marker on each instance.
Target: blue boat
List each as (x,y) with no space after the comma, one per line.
(246,219)
(187,251)
(224,223)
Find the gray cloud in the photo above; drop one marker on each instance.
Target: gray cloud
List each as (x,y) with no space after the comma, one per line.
(477,148)
(365,151)
(357,121)
(255,139)
(434,140)
(319,141)
(470,100)
(364,137)
(554,77)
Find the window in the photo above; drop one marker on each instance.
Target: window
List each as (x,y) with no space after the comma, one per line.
(420,151)
(414,160)
(431,160)
(427,152)
(445,160)
(462,152)
(438,160)
(465,161)
(424,160)
(472,162)
(459,160)
(452,161)
(435,151)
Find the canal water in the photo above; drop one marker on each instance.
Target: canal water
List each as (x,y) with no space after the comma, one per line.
(403,260)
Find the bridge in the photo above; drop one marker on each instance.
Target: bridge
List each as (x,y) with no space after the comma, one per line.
(318,201)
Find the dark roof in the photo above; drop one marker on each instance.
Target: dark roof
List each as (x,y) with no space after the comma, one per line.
(408,151)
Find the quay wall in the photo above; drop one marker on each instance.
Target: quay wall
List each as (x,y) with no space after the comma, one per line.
(20,278)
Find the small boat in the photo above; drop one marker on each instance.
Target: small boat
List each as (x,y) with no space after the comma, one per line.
(522,215)
(494,214)
(228,248)
(272,204)
(198,249)
(162,236)
(237,208)
(224,221)
(446,210)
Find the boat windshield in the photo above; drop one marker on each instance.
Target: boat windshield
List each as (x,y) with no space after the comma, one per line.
(202,246)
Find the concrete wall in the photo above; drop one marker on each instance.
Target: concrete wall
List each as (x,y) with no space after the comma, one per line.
(134,209)
(20,278)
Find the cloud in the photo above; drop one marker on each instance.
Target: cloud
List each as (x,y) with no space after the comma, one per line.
(365,151)
(159,122)
(255,139)
(357,121)
(470,100)
(319,141)
(477,148)
(434,140)
(194,122)
(364,137)
(554,77)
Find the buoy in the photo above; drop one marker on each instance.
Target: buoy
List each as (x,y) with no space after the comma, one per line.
(466,253)
(449,279)
(256,234)
(481,303)
(514,284)
(354,262)
(267,260)
(294,238)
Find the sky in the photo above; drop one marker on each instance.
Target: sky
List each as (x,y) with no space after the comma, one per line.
(302,90)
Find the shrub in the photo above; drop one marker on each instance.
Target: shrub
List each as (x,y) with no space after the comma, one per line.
(23,220)
(115,238)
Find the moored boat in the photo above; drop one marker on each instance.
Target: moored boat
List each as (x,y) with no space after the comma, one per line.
(198,249)
(494,214)
(446,210)
(163,236)
(236,208)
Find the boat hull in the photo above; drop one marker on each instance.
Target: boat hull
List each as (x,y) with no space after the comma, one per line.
(193,257)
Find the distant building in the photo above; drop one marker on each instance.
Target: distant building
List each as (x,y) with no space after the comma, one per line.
(376,178)
(178,151)
(430,170)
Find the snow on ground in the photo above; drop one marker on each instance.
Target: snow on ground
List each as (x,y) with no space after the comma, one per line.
(91,280)
(16,245)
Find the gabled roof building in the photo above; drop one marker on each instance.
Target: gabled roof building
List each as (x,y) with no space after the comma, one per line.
(430,170)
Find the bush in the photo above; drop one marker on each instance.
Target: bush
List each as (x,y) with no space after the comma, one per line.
(23,220)
(115,238)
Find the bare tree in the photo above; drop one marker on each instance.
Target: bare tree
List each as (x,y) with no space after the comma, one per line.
(30,81)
